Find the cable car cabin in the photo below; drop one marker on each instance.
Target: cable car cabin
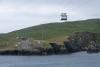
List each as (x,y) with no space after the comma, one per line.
(63,16)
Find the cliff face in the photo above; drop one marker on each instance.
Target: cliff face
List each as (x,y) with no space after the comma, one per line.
(78,41)
(81,41)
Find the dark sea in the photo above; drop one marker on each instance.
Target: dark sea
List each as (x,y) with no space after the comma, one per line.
(80,59)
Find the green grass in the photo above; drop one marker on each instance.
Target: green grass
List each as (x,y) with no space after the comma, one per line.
(53,31)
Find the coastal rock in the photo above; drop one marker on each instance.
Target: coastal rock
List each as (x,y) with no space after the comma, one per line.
(42,46)
(35,47)
(92,48)
(24,44)
(80,41)
(58,48)
(70,47)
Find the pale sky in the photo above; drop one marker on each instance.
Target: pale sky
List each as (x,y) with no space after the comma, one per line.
(18,14)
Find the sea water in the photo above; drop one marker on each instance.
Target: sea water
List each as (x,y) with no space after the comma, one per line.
(80,59)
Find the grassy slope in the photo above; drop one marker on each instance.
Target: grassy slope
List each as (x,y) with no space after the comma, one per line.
(56,30)
(52,31)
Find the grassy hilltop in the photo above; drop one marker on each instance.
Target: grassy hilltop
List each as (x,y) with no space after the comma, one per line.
(58,30)
(52,31)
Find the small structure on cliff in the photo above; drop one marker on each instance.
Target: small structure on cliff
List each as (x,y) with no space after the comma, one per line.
(63,16)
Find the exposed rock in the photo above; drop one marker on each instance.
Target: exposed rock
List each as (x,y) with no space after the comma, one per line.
(70,47)
(80,41)
(35,46)
(92,48)
(20,52)
(58,48)
(42,46)
(24,44)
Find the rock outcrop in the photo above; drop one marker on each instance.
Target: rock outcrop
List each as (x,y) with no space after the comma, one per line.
(80,41)
(58,48)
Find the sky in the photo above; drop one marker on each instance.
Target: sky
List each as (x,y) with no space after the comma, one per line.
(19,14)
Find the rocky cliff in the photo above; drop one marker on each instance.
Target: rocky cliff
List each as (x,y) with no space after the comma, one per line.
(78,41)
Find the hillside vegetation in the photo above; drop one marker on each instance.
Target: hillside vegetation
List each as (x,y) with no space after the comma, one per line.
(57,31)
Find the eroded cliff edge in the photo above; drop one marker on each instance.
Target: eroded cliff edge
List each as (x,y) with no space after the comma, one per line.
(78,41)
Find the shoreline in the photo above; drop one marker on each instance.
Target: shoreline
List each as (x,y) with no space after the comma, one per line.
(30,53)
